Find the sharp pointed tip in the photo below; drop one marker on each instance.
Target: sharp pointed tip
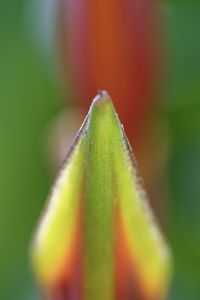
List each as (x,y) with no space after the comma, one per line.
(102,105)
(101,98)
(103,93)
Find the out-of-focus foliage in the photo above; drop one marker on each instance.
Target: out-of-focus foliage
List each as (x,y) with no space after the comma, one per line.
(182,109)
(29,99)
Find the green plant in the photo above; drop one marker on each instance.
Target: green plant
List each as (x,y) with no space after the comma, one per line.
(97,238)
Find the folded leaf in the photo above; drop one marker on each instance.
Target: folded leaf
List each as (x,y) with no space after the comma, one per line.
(97,238)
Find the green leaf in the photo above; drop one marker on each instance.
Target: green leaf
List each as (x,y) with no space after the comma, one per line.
(98,224)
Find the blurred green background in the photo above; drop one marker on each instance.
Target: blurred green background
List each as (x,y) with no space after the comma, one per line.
(30,98)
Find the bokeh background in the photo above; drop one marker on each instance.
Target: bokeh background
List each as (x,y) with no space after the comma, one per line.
(31,96)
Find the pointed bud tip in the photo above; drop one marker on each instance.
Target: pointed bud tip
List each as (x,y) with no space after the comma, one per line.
(101,98)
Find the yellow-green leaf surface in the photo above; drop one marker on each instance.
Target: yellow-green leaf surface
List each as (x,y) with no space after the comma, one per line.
(98,187)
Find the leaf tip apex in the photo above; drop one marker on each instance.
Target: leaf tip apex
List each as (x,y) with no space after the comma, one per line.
(101,98)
